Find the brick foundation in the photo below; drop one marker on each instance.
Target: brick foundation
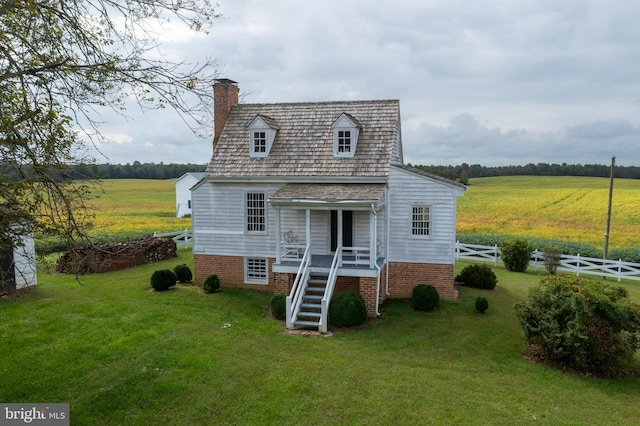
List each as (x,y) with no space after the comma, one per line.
(403,277)
(230,271)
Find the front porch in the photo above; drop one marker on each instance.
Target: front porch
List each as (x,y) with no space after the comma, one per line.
(327,233)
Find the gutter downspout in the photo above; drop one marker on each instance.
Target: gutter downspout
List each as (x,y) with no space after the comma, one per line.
(375,262)
(387,231)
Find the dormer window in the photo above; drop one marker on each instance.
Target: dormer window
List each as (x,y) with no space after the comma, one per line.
(259,145)
(262,132)
(345,136)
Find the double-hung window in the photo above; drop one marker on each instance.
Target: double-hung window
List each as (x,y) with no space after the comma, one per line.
(256,212)
(420,221)
(344,141)
(259,142)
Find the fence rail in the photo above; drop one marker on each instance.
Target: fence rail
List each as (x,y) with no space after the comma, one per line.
(182,238)
(574,264)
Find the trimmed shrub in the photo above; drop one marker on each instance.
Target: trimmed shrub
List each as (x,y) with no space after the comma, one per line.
(478,276)
(591,327)
(425,297)
(482,304)
(347,309)
(210,284)
(551,259)
(279,306)
(183,273)
(515,255)
(163,279)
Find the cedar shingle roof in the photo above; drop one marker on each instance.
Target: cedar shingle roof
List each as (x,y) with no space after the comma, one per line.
(329,192)
(303,145)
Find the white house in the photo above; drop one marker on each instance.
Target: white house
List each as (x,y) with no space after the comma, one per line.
(183,192)
(313,198)
(18,266)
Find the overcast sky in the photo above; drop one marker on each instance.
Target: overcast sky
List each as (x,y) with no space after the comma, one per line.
(496,82)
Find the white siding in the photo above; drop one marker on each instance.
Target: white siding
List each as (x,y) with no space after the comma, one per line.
(219,221)
(407,189)
(24,258)
(183,194)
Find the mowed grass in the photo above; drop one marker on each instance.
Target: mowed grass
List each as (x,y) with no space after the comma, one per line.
(123,355)
(136,206)
(555,207)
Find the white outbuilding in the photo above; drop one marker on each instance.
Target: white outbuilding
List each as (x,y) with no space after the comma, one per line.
(183,192)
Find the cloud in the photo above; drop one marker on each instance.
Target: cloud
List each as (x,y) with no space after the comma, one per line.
(493,82)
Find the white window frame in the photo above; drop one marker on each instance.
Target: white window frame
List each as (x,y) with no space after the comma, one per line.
(266,135)
(248,216)
(413,221)
(340,126)
(256,270)
(259,140)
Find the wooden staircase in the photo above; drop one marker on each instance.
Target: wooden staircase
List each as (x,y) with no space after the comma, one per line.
(311,307)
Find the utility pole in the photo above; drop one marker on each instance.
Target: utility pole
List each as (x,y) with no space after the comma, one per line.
(606,235)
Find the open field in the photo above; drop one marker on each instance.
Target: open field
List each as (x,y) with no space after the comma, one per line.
(565,208)
(123,355)
(555,207)
(137,206)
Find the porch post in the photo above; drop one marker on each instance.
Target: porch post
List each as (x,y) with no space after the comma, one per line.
(373,246)
(278,247)
(308,228)
(339,236)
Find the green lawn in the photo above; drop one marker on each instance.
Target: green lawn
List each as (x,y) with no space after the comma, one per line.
(123,355)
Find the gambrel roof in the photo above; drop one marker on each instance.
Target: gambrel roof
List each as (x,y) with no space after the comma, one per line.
(303,144)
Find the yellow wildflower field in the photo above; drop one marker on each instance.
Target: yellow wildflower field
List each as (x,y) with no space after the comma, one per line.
(553,207)
(136,206)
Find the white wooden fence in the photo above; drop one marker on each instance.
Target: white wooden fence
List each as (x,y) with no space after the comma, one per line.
(574,264)
(182,238)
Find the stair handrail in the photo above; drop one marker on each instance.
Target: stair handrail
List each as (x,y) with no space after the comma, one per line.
(328,291)
(299,286)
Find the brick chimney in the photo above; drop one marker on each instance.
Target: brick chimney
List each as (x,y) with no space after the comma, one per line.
(225,96)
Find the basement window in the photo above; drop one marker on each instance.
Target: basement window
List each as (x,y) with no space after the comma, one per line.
(256,271)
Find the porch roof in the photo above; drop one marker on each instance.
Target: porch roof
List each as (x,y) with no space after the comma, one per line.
(316,193)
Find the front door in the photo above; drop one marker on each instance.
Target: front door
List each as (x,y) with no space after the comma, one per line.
(347,229)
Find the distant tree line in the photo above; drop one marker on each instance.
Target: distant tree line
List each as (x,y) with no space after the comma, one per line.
(135,170)
(462,173)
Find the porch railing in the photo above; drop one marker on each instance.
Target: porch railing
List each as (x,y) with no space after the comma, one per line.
(299,286)
(328,292)
(355,255)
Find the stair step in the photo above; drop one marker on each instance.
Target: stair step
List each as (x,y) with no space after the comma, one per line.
(308,314)
(311,305)
(311,297)
(315,289)
(307,323)
(316,281)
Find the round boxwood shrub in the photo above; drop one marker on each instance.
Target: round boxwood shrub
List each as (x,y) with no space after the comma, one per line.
(163,279)
(347,309)
(588,326)
(425,297)
(515,255)
(478,276)
(279,306)
(210,284)
(482,304)
(183,273)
